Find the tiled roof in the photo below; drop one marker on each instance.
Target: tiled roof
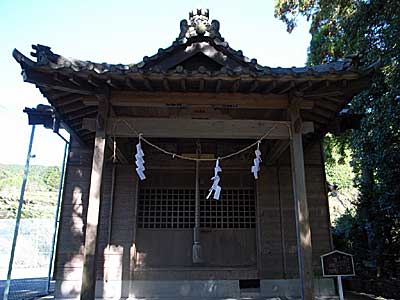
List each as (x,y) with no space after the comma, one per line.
(198,31)
(198,61)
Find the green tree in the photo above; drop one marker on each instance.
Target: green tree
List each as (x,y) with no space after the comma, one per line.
(371,29)
(51,177)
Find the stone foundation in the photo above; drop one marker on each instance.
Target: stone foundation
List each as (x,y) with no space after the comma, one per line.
(197,289)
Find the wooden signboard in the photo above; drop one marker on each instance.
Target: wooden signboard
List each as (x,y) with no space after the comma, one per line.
(337,264)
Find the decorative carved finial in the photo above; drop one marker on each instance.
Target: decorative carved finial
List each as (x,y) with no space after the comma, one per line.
(198,25)
(199,20)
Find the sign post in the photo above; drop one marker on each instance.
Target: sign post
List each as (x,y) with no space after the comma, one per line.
(337,264)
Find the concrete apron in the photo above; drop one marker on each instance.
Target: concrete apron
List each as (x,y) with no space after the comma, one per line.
(199,289)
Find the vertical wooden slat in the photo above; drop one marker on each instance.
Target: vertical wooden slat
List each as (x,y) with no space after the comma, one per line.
(281,223)
(303,231)
(92,219)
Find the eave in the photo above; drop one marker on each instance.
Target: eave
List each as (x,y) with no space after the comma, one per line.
(72,86)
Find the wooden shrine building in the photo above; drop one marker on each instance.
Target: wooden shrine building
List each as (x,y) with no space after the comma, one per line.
(120,237)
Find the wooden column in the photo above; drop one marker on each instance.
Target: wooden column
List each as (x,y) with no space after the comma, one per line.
(303,231)
(93,210)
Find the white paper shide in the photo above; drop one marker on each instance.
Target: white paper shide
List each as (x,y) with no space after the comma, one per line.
(256,162)
(215,188)
(140,161)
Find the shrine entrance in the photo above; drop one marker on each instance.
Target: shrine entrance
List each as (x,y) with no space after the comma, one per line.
(166,213)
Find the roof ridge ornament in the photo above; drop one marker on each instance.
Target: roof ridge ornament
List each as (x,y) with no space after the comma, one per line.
(199,25)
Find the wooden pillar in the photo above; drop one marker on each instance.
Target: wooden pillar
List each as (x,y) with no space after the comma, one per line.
(93,210)
(303,231)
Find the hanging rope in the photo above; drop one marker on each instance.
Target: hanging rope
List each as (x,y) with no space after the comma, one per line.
(175,155)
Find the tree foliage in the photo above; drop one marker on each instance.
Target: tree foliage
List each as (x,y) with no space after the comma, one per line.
(371,29)
(41,191)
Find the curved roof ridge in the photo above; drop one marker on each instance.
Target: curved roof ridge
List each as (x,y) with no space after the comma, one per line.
(198,33)
(45,57)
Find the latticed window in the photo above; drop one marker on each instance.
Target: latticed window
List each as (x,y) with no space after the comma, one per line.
(175,208)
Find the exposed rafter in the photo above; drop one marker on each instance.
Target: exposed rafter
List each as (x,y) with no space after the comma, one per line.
(112,83)
(71,98)
(130,84)
(287,87)
(43,80)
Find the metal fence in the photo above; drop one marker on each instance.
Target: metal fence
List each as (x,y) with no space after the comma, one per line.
(32,257)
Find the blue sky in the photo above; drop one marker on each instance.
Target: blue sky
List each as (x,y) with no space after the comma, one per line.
(119,32)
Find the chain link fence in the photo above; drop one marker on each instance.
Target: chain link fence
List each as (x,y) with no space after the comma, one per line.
(32,257)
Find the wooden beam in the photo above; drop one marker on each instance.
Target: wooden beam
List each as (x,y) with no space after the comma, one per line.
(84,112)
(183,84)
(258,101)
(287,88)
(84,133)
(305,86)
(77,122)
(333,99)
(72,108)
(44,80)
(218,86)
(269,87)
(73,133)
(57,77)
(93,211)
(112,83)
(309,115)
(196,128)
(303,230)
(253,86)
(73,79)
(71,98)
(93,82)
(130,84)
(147,84)
(327,104)
(324,93)
(59,95)
(202,84)
(236,86)
(166,84)
(318,109)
